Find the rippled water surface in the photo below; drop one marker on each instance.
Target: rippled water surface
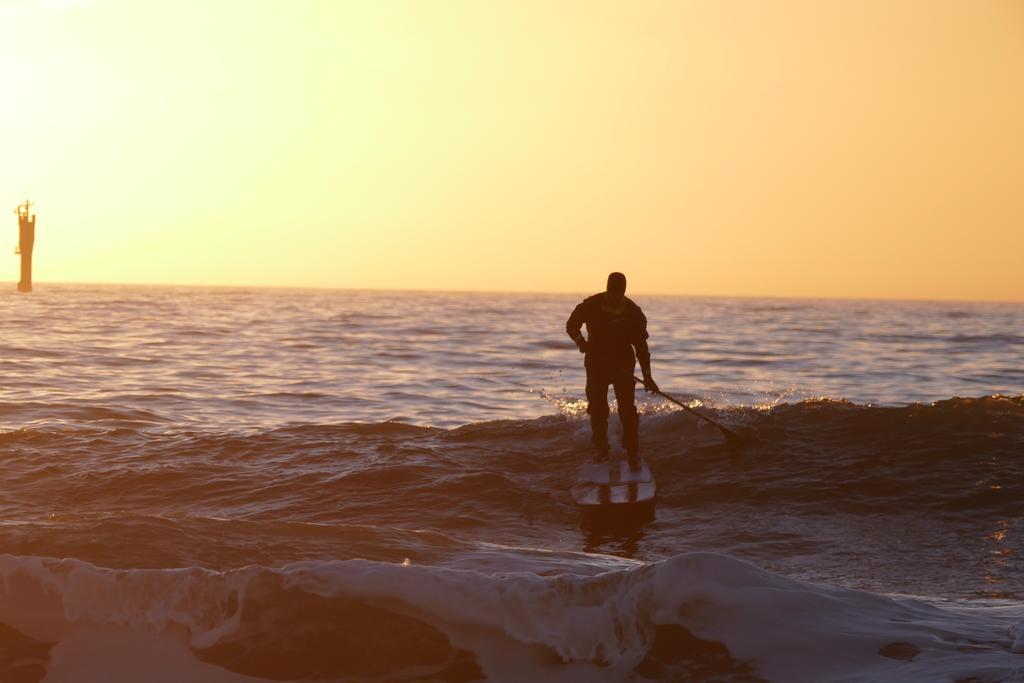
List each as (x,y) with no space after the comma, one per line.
(218,358)
(237,432)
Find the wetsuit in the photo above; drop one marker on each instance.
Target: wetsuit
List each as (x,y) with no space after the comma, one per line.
(612,335)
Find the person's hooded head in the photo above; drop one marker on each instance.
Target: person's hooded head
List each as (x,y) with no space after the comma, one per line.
(616,290)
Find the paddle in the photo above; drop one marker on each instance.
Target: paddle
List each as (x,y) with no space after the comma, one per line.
(731,437)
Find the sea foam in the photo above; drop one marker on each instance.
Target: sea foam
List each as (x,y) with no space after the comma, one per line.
(712,611)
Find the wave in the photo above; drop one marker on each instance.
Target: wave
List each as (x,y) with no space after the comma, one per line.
(692,617)
(810,410)
(917,499)
(958,456)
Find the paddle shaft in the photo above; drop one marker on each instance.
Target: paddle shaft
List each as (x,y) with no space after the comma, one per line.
(729,434)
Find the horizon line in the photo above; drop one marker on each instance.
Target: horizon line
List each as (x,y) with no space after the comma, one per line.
(425,290)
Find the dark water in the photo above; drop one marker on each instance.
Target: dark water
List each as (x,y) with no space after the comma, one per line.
(275,485)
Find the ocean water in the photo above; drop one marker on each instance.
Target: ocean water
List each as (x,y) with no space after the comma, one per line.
(226,485)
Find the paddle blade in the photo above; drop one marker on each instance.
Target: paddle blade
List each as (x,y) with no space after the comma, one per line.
(732,439)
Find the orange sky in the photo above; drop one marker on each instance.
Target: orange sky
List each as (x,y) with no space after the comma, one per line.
(855,149)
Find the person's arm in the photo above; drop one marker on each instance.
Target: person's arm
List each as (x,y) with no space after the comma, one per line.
(574,326)
(643,354)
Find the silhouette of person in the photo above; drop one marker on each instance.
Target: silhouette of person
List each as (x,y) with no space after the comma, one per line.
(615,327)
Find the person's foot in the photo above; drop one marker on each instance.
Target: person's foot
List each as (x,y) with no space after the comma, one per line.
(600,453)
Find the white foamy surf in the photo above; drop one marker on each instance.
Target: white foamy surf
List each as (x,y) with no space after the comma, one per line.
(691,611)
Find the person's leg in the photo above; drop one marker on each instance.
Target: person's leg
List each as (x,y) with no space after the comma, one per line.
(625,390)
(597,406)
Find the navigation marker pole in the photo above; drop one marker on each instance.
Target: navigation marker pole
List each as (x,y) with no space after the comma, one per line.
(26,241)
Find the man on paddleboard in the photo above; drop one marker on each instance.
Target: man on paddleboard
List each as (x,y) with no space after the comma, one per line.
(615,327)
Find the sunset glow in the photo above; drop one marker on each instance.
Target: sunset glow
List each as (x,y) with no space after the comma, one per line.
(738,148)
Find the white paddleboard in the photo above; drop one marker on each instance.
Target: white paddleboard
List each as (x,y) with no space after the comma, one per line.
(601,485)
